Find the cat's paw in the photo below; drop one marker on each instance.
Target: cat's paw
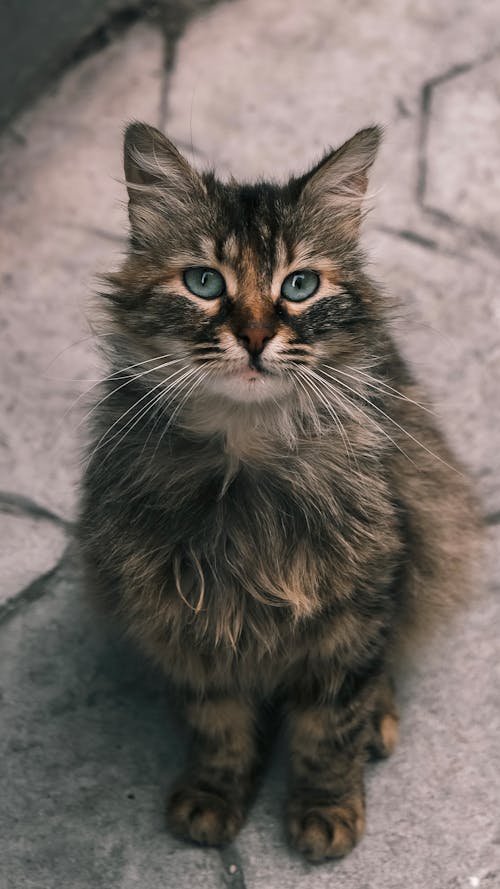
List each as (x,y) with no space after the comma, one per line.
(203,817)
(385,736)
(322,831)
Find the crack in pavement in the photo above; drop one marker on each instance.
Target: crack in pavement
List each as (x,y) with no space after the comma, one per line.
(483,237)
(492,518)
(33,592)
(175,16)
(20,505)
(233,868)
(421,241)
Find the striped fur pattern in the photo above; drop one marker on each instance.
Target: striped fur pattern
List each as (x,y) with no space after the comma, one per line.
(267,521)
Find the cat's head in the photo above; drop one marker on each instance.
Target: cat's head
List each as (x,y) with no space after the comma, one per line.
(248,288)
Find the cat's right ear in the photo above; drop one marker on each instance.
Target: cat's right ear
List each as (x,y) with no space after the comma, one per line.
(336,186)
(160,181)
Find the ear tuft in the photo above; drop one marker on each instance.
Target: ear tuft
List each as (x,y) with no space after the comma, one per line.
(152,159)
(339,182)
(161,184)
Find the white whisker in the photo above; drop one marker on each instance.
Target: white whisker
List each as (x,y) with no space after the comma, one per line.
(199,378)
(317,421)
(128,381)
(162,394)
(375,383)
(112,376)
(85,339)
(174,388)
(106,438)
(306,373)
(394,422)
(350,404)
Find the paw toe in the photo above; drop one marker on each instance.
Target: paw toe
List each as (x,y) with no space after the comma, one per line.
(385,736)
(203,817)
(322,832)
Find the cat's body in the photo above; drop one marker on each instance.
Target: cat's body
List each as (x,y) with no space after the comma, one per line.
(269,527)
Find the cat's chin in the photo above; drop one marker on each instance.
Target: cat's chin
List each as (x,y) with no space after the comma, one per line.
(251,387)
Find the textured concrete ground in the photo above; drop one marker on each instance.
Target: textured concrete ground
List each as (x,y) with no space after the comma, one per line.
(258,87)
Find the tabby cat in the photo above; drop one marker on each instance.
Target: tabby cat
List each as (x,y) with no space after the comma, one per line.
(267,507)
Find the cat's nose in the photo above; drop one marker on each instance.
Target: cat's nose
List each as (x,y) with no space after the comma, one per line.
(255,338)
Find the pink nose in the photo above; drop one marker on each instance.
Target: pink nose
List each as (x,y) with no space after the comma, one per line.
(255,338)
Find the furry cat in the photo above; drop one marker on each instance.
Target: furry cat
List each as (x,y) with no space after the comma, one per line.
(267,507)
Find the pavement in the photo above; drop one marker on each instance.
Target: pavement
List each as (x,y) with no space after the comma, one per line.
(252,87)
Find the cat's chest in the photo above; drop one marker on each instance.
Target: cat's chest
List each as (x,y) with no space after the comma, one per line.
(286,497)
(272,531)
(236,554)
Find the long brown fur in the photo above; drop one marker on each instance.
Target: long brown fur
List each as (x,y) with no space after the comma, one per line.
(274,536)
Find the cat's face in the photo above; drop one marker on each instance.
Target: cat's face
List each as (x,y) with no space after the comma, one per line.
(247,287)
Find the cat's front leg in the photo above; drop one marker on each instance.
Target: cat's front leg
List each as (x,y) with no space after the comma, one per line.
(209,801)
(330,739)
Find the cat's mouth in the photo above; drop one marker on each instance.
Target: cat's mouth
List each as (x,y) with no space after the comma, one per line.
(252,375)
(254,370)
(250,382)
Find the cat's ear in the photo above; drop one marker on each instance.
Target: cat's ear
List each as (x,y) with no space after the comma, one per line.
(338,183)
(160,181)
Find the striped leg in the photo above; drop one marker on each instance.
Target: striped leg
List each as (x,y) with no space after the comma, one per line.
(209,802)
(329,744)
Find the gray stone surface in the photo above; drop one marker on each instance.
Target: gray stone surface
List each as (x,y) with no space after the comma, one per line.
(61,218)
(37,37)
(30,548)
(259,87)
(88,752)
(466,105)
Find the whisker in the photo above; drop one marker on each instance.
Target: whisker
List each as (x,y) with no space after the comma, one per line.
(105,379)
(350,404)
(377,383)
(366,416)
(305,375)
(298,380)
(398,425)
(128,381)
(174,388)
(84,339)
(137,415)
(138,364)
(200,376)
(151,431)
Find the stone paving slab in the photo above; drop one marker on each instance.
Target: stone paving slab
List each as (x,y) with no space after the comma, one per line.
(448,323)
(259,87)
(30,548)
(61,189)
(37,36)
(89,752)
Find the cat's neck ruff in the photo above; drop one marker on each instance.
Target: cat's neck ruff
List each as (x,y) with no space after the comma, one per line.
(248,430)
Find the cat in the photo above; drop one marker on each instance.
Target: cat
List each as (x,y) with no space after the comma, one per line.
(268,508)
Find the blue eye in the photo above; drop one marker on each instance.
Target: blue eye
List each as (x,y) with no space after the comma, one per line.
(300,285)
(207,283)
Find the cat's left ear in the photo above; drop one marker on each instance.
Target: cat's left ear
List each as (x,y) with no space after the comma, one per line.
(161,184)
(338,183)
